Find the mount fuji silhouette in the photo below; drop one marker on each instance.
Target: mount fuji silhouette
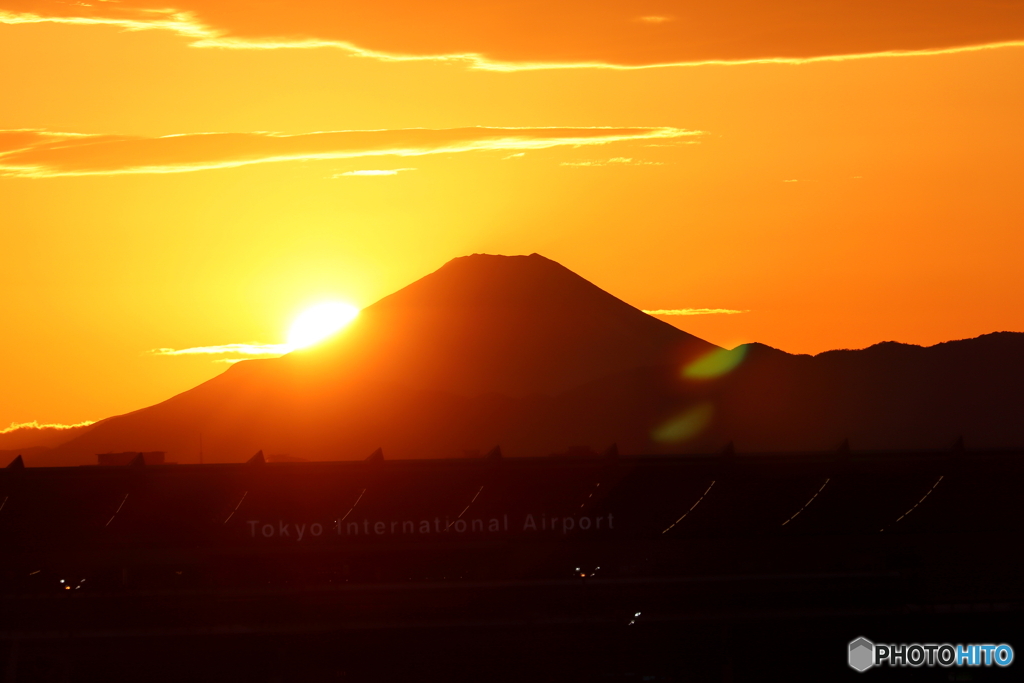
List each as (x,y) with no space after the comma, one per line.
(522,352)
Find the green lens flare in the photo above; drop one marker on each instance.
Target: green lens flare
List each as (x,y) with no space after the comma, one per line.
(715,364)
(686,425)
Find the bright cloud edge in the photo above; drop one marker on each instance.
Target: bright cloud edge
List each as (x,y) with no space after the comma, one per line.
(693,311)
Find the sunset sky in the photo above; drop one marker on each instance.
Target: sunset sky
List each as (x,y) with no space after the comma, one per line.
(810,175)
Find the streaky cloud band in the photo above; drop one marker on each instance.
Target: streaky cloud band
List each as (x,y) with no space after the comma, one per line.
(551,35)
(16,426)
(694,311)
(253,349)
(373,172)
(43,154)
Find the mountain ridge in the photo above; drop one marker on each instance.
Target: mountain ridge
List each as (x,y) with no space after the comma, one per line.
(521,351)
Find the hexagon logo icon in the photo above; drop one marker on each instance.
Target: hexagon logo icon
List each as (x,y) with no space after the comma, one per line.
(862,654)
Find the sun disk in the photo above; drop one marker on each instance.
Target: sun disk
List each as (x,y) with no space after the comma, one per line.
(320,322)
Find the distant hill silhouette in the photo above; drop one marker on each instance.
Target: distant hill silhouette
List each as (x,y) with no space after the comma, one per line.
(519,351)
(36,455)
(888,396)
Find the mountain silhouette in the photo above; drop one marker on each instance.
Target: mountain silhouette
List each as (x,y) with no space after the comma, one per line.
(519,351)
(446,364)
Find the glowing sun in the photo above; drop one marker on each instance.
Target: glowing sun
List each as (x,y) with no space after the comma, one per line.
(320,322)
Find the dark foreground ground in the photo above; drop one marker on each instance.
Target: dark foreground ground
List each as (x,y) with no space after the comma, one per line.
(725,568)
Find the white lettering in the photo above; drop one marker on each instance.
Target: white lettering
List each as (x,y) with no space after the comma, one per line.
(531,522)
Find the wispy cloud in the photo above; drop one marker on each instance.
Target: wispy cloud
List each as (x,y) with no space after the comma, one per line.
(107,14)
(34,425)
(42,154)
(694,311)
(551,35)
(615,161)
(24,138)
(253,349)
(373,172)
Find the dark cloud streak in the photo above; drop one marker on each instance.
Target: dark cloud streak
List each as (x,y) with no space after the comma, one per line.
(610,33)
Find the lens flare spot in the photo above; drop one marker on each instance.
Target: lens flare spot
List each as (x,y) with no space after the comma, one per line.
(715,364)
(686,425)
(320,322)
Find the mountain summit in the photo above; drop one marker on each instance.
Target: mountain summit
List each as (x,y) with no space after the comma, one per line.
(511,325)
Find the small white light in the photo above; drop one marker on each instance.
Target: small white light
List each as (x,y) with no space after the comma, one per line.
(637,614)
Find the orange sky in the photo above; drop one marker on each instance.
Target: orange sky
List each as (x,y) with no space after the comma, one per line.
(843,173)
